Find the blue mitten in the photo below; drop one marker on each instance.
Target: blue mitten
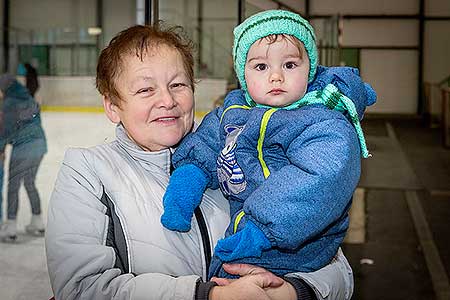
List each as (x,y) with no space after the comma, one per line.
(183,195)
(249,242)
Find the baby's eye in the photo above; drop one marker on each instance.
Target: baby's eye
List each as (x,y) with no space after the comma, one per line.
(290,65)
(261,67)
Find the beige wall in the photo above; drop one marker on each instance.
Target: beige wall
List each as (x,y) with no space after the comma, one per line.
(49,14)
(117,15)
(437,50)
(361,7)
(393,74)
(437,41)
(437,8)
(359,32)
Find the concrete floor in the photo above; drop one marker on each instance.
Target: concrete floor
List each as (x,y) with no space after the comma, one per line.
(407,187)
(404,252)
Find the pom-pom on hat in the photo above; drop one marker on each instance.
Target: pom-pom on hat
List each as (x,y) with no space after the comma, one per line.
(267,23)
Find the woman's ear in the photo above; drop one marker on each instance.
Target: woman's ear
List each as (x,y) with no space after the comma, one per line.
(111,110)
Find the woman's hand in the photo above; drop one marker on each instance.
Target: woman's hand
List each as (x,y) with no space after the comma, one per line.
(255,283)
(251,286)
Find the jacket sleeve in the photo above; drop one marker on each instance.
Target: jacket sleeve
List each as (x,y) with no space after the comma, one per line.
(302,199)
(202,147)
(80,265)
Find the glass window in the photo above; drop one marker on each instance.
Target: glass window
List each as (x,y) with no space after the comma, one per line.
(210,28)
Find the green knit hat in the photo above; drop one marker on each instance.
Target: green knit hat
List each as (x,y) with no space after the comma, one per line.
(267,23)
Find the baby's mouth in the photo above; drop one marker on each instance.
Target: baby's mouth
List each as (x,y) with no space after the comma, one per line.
(276,91)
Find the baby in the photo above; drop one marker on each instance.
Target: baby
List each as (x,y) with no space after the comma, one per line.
(285,151)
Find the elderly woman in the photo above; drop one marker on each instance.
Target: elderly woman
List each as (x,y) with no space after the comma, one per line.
(104,238)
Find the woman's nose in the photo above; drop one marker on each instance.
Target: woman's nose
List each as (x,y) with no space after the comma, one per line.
(166,99)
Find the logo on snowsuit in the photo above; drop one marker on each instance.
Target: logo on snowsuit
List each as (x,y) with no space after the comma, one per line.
(230,175)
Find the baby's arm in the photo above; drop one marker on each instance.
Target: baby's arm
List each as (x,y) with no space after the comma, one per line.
(195,162)
(183,194)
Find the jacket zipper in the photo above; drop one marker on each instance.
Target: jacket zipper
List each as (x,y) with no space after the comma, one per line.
(205,236)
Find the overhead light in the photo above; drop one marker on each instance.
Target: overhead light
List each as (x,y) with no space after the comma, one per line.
(94,30)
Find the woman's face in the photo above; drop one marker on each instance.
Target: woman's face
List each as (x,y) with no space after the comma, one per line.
(157,106)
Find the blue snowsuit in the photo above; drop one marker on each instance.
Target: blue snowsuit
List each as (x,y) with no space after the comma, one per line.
(291,173)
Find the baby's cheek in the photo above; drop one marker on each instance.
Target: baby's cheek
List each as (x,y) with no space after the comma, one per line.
(254,89)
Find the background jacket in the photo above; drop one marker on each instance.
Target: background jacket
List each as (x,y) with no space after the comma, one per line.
(104,239)
(21,122)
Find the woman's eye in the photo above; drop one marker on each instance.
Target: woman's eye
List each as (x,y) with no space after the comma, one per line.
(144,90)
(178,85)
(290,65)
(261,67)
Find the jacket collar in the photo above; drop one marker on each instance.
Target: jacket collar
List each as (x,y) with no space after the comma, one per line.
(147,159)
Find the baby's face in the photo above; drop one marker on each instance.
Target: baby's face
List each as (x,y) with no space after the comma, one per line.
(276,73)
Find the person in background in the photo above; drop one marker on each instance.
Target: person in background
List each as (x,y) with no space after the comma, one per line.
(104,239)
(21,128)
(31,79)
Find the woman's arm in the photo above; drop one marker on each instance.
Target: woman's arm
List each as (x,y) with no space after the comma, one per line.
(254,283)
(333,281)
(202,147)
(263,282)
(80,264)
